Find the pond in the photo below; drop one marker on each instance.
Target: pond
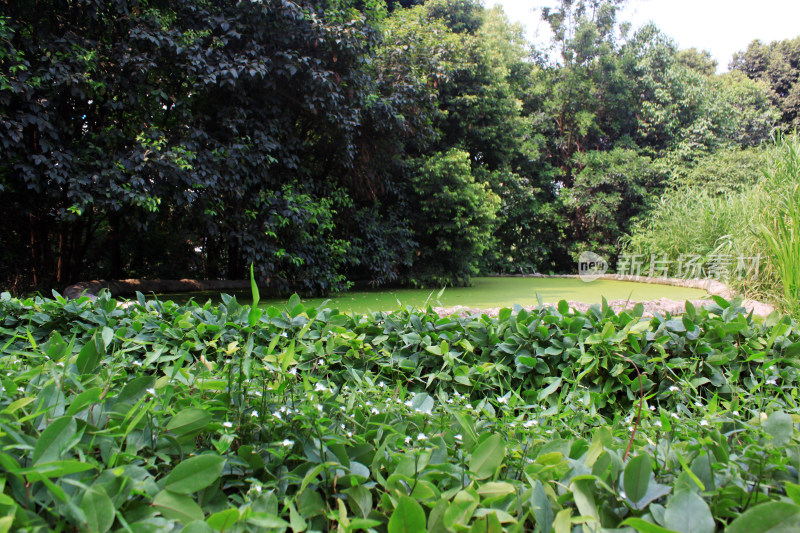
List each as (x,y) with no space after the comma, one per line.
(484,293)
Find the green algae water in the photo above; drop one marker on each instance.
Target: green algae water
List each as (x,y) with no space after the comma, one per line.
(484,293)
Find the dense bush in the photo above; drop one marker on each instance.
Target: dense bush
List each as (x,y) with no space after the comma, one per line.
(155,416)
(454,218)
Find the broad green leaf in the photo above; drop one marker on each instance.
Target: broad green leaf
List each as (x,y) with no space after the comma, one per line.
(54,439)
(5,523)
(637,477)
(487,524)
(357,524)
(769,517)
(17,405)
(135,389)
(223,519)
(542,510)
(460,509)
(493,489)
(178,507)
(98,509)
(793,491)
(687,512)
(266,521)
(108,336)
(779,426)
(643,526)
(83,400)
(189,421)
(550,389)
(194,474)
(198,526)
(297,522)
(55,469)
(89,357)
(408,517)
(584,498)
(422,403)
(563,521)
(487,457)
(254,288)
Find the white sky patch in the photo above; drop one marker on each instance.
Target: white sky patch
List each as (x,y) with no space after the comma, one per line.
(722,27)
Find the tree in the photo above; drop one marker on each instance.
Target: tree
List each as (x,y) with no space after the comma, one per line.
(700,61)
(778,65)
(233,123)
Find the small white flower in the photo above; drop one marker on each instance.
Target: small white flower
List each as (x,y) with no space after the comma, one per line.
(422,436)
(257,393)
(349,433)
(704,422)
(319,408)
(293,371)
(257,488)
(652,407)
(255,414)
(657,423)
(381,384)
(502,399)
(151,391)
(136,363)
(530,423)
(458,436)
(20,390)
(674,415)
(287,443)
(772,381)
(319,387)
(374,411)
(698,404)
(408,403)
(227,424)
(735,413)
(674,389)
(408,440)
(60,363)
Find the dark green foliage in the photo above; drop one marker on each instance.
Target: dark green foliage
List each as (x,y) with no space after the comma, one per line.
(229,128)
(192,138)
(454,219)
(156,415)
(612,189)
(778,64)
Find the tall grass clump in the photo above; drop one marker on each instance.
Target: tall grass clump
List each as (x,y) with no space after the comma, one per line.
(779,224)
(756,220)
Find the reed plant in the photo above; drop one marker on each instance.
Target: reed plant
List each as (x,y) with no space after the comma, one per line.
(759,222)
(779,224)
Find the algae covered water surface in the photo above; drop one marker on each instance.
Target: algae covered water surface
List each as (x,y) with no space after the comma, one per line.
(484,293)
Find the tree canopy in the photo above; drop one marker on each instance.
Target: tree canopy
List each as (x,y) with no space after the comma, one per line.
(336,142)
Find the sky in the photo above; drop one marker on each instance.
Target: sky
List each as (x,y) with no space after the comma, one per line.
(720,26)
